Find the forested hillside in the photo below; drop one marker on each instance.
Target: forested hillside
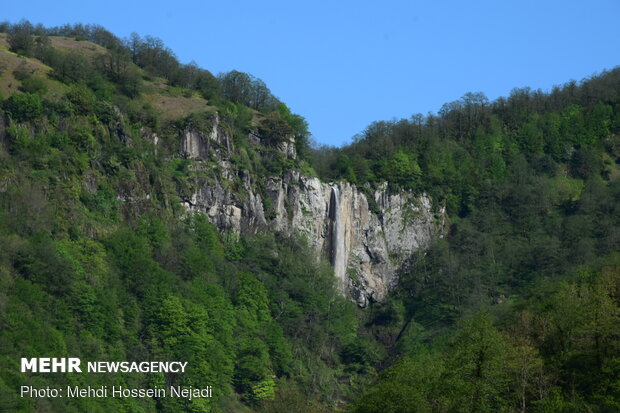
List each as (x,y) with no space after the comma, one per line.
(100,260)
(515,308)
(529,271)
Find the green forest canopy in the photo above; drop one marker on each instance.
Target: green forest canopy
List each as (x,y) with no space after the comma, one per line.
(516,308)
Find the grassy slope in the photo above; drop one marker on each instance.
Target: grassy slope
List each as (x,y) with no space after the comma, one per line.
(169,102)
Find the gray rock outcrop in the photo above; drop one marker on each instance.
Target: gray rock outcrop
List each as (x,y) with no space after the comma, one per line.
(367,241)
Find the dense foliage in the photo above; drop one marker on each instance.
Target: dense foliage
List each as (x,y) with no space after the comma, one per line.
(515,308)
(99,260)
(530,183)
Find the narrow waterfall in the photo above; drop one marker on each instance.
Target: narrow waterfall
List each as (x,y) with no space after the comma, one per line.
(339,260)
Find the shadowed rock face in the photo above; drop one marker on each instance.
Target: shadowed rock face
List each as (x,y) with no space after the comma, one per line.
(366,248)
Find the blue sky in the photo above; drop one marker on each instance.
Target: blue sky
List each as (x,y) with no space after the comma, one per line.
(344,64)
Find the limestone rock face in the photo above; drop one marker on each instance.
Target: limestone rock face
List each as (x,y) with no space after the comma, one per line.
(366,245)
(196,144)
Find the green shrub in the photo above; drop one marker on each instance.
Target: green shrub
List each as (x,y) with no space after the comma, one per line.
(34,85)
(24,107)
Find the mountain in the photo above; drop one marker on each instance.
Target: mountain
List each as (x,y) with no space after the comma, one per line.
(149,210)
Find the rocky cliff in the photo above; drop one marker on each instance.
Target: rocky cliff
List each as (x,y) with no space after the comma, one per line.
(367,240)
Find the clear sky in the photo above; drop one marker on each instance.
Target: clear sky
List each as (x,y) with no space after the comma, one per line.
(344,64)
